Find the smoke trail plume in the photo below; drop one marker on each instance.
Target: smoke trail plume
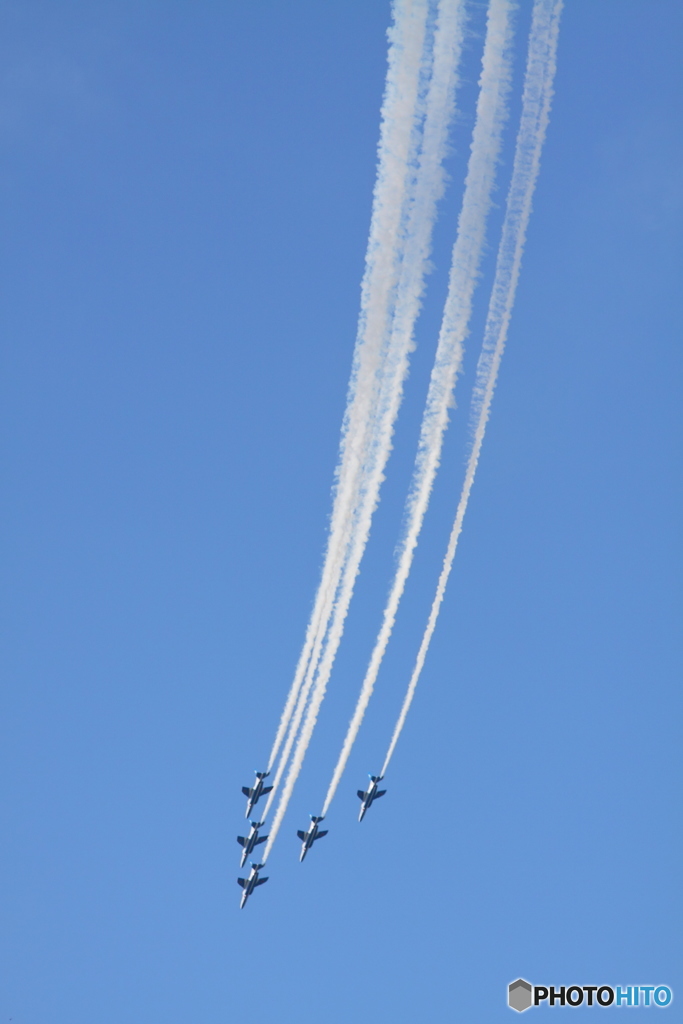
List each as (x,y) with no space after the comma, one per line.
(397,150)
(428,188)
(492,109)
(538,91)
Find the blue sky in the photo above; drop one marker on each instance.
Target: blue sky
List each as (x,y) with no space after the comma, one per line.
(186,194)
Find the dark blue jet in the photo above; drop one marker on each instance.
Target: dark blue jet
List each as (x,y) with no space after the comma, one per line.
(308,838)
(254,795)
(249,884)
(372,794)
(250,842)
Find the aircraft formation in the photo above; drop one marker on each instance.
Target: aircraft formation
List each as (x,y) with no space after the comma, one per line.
(426,48)
(251,841)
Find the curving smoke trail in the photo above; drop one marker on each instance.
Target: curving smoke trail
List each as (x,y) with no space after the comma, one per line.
(491,115)
(537,97)
(397,151)
(421,214)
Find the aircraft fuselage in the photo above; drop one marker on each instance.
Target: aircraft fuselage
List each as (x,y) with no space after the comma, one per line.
(250,883)
(250,842)
(308,838)
(255,793)
(372,794)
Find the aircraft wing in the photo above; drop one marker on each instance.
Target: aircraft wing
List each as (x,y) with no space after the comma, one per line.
(301,835)
(260,881)
(242,882)
(380,793)
(261,839)
(323,833)
(266,789)
(361,794)
(241,840)
(246,790)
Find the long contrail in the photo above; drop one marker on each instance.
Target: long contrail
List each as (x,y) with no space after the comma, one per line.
(491,115)
(428,188)
(397,151)
(401,120)
(538,91)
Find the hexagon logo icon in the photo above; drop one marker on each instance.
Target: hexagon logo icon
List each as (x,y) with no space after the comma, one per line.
(519,995)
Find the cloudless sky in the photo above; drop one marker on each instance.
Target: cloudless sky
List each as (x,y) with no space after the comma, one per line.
(185,199)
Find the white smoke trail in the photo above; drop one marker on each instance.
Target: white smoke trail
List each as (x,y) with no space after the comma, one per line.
(491,115)
(399,139)
(428,189)
(538,92)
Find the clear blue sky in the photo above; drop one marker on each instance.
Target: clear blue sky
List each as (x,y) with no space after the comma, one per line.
(186,194)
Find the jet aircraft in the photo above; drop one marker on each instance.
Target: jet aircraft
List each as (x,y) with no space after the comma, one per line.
(250,883)
(372,794)
(308,838)
(250,842)
(254,795)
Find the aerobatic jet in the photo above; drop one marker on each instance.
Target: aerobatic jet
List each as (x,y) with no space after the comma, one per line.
(250,842)
(250,883)
(372,794)
(254,795)
(308,838)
